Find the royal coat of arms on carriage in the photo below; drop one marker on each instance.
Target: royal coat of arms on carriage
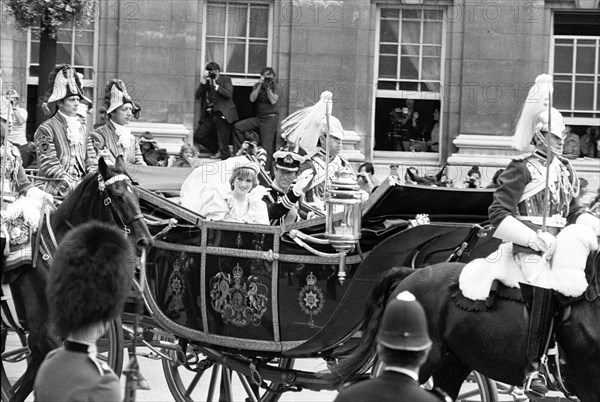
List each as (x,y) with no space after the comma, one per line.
(311,299)
(240,301)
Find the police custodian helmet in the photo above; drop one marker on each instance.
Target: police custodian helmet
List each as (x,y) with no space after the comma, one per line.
(404,325)
(90,277)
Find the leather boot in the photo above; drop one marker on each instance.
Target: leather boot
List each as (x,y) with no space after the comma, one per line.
(541,315)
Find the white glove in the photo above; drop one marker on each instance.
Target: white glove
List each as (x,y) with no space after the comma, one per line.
(39,195)
(542,241)
(302,182)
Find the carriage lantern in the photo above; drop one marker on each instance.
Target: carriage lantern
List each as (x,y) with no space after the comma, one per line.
(343,209)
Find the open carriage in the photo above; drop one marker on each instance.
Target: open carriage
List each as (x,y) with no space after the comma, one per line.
(251,299)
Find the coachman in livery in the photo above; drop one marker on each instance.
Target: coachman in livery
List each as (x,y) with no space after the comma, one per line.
(64,153)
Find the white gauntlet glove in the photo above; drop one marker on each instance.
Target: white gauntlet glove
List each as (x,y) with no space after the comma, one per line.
(302,182)
(542,241)
(39,195)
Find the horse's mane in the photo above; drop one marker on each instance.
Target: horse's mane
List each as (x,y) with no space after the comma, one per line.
(85,197)
(69,204)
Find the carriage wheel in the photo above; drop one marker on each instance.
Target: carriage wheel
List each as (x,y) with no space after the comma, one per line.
(475,388)
(478,388)
(14,362)
(16,354)
(110,346)
(202,379)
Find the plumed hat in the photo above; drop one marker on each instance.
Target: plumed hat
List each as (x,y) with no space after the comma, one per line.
(404,325)
(533,117)
(335,127)
(116,95)
(90,277)
(303,127)
(63,82)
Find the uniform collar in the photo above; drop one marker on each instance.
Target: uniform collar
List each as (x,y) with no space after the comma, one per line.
(275,187)
(412,374)
(80,347)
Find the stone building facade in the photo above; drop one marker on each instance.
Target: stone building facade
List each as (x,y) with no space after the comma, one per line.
(394,67)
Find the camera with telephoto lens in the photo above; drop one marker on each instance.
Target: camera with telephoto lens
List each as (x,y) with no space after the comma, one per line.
(212,74)
(209,108)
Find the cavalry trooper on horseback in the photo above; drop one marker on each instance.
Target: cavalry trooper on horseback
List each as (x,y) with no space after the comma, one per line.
(536,199)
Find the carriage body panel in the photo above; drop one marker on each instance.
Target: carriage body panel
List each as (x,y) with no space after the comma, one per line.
(253,289)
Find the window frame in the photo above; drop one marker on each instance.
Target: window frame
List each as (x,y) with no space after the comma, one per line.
(404,94)
(239,79)
(570,114)
(87,83)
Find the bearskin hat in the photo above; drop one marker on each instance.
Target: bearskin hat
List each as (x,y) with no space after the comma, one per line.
(116,95)
(63,82)
(90,277)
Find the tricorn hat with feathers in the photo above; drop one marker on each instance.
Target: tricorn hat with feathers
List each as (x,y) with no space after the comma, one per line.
(62,83)
(90,277)
(116,95)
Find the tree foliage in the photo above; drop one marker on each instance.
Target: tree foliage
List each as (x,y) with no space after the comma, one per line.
(51,15)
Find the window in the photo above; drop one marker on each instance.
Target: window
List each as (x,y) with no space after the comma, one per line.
(77,46)
(237,37)
(410,50)
(576,74)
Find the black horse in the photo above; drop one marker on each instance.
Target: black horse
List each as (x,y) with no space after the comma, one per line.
(107,196)
(492,342)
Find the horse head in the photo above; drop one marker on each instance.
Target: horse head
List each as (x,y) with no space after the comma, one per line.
(122,199)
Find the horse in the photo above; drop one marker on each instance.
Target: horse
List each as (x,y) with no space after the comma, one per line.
(492,342)
(106,195)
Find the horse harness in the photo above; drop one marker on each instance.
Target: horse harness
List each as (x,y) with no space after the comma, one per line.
(41,241)
(102,185)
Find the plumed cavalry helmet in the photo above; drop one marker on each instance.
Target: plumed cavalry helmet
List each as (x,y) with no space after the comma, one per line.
(533,118)
(116,95)
(63,82)
(404,325)
(90,277)
(335,127)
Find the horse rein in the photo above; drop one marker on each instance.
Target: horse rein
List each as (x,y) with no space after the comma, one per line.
(102,185)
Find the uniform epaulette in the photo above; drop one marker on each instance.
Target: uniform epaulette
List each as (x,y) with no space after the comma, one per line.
(441,394)
(523,156)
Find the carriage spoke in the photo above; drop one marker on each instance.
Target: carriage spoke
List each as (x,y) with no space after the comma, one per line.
(193,384)
(226,384)
(247,387)
(213,382)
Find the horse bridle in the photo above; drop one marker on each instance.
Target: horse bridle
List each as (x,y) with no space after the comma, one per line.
(102,187)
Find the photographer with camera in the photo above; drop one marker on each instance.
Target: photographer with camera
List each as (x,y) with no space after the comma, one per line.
(252,150)
(217,112)
(17,132)
(265,96)
(473,179)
